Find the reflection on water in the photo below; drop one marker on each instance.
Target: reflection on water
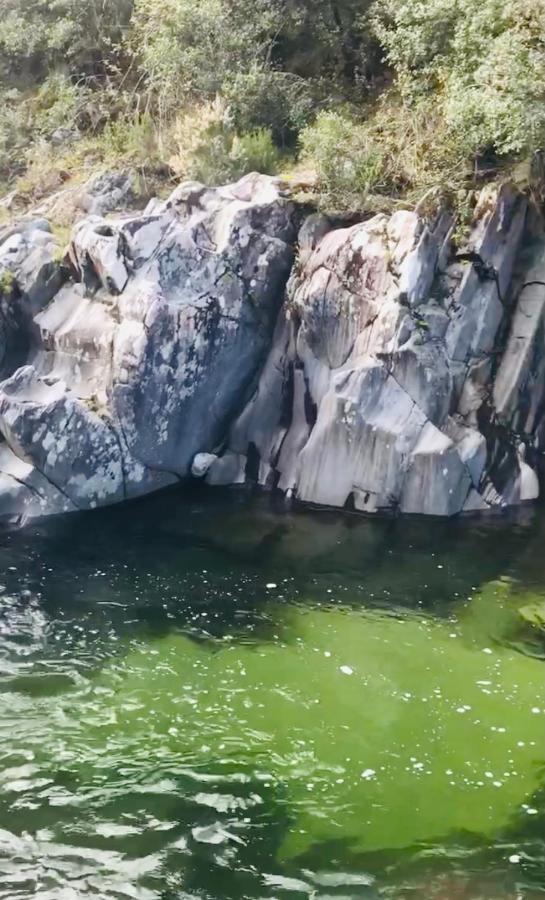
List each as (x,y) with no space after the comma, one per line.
(204,698)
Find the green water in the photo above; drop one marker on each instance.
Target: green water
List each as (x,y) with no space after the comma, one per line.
(202,697)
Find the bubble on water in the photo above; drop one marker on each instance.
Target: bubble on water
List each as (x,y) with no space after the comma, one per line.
(368,774)
(514,858)
(346,670)
(271,585)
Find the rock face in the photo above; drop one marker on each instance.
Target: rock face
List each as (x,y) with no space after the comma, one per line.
(145,354)
(382,389)
(375,372)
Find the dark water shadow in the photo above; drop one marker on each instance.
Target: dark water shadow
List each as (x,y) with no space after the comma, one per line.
(202,562)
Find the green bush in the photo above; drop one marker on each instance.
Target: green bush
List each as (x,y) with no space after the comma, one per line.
(255,151)
(15,130)
(131,138)
(80,36)
(482,60)
(388,96)
(187,51)
(278,101)
(348,162)
(207,147)
(224,156)
(57,103)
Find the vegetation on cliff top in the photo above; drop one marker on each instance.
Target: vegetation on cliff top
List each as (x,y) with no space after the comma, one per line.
(384,98)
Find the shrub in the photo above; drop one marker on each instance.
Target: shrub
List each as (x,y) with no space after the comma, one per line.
(501,105)
(278,101)
(130,138)
(255,151)
(38,37)
(389,96)
(483,61)
(348,162)
(191,132)
(185,50)
(57,102)
(15,130)
(224,156)
(7,282)
(208,148)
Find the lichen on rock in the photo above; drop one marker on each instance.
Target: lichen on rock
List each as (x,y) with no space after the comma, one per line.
(358,366)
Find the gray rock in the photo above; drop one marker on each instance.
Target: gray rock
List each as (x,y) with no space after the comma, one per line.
(227,469)
(25,492)
(143,361)
(29,260)
(366,429)
(519,386)
(437,482)
(107,192)
(170,353)
(65,136)
(375,393)
(104,193)
(73,448)
(201,464)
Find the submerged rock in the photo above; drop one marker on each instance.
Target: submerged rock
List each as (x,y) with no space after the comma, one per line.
(534,614)
(184,341)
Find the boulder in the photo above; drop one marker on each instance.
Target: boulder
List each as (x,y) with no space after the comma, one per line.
(144,357)
(73,448)
(376,393)
(106,192)
(519,385)
(30,263)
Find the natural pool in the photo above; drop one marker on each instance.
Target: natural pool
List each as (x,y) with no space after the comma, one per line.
(202,697)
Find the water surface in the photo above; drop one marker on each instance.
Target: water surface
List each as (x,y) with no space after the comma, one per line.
(205,697)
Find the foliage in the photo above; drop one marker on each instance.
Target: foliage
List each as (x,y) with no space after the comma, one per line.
(209,149)
(276,100)
(130,138)
(348,162)
(7,282)
(58,101)
(78,36)
(468,94)
(189,50)
(482,60)
(383,97)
